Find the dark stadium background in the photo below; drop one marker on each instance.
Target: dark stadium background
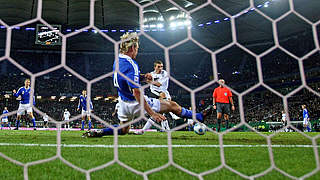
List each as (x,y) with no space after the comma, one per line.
(91,55)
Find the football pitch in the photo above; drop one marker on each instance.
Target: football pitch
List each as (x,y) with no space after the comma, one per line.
(245,152)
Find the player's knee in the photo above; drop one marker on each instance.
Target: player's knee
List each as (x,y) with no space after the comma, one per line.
(124,130)
(162,96)
(174,107)
(219,116)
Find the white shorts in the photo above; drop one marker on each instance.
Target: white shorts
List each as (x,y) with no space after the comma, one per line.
(190,121)
(85,113)
(305,121)
(24,107)
(4,120)
(129,110)
(157,93)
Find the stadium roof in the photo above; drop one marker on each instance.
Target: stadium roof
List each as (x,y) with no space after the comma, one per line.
(123,14)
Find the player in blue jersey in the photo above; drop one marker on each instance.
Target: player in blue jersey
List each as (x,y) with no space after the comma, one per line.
(84,111)
(24,93)
(306,119)
(4,119)
(129,92)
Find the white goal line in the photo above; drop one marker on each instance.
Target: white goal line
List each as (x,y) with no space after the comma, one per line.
(159,146)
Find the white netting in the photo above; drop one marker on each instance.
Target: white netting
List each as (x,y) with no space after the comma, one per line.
(193,92)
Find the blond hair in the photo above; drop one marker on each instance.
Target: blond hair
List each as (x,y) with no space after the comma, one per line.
(27,80)
(128,40)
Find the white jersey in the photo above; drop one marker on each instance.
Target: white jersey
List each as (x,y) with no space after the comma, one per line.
(163,79)
(190,121)
(117,106)
(66,115)
(45,118)
(284,117)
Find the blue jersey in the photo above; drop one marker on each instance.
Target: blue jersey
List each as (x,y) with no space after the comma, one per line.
(25,95)
(83,103)
(305,114)
(130,69)
(5,112)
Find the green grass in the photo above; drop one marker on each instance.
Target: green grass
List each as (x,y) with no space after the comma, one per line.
(296,161)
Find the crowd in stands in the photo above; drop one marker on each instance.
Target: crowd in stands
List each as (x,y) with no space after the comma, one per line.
(239,69)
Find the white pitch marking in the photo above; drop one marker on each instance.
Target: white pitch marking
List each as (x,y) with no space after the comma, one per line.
(157,146)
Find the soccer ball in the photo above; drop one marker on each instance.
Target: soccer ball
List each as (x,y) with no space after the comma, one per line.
(199,128)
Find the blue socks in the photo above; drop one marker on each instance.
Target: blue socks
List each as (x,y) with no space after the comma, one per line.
(309,129)
(83,122)
(82,125)
(185,113)
(109,131)
(89,124)
(17,123)
(34,122)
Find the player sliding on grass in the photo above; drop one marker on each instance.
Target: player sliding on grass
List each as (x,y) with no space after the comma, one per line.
(129,93)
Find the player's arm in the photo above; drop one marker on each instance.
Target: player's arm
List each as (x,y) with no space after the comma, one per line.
(79,104)
(145,77)
(34,101)
(17,94)
(232,103)
(155,116)
(114,112)
(149,79)
(214,95)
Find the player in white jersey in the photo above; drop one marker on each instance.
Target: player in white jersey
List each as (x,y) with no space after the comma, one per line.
(66,117)
(4,120)
(284,119)
(159,87)
(45,120)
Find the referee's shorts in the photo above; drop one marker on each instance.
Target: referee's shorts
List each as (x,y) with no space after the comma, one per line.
(223,108)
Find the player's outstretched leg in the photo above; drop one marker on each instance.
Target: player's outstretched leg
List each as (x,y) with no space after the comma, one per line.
(166,123)
(148,125)
(171,106)
(105,132)
(219,124)
(227,124)
(309,127)
(166,106)
(163,125)
(34,123)
(82,124)
(17,124)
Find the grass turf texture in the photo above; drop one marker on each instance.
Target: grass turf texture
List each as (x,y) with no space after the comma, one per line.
(296,161)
